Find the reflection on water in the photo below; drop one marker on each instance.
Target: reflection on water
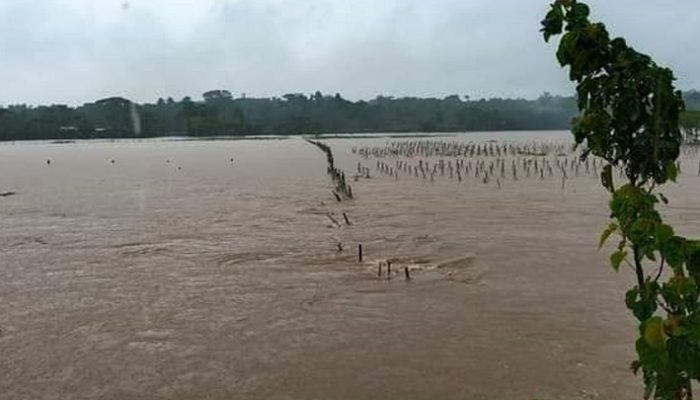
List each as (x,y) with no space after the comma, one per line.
(186,269)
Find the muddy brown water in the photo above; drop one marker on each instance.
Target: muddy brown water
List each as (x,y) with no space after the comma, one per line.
(173,273)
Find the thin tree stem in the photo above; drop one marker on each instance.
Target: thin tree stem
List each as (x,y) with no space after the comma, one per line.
(661,270)
(639,270)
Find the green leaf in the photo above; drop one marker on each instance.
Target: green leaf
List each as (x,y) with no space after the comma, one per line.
(649,253)
(616,259)
(581,10)
(692,324)
(612,227)
(671,171)
(631,297)
(643,308)
(651,357)
(693,259)
(553,22)
(673,251)
(663,234)
(673,326)
(641,230)
(654,334)
(680,294)
(566,46)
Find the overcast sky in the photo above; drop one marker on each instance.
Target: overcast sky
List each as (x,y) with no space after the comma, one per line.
(75,51)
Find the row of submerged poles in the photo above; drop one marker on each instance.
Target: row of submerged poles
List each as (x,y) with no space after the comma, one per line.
(486,162)
(338,176)
(340,188)
(344,189)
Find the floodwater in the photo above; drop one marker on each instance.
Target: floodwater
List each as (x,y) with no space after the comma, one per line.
(164,270)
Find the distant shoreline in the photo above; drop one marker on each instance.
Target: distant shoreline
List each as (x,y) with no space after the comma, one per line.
(226,138)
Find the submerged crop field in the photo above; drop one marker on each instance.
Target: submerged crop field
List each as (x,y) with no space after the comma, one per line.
(198,269)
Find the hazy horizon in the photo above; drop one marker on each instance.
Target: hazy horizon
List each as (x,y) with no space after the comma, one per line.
(77,51)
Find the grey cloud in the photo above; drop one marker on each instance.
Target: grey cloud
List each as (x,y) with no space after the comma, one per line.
(71,51)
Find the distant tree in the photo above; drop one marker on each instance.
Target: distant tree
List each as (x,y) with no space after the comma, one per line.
(692,100)
(295,97)
(110,117)
(217,95)
(453,99)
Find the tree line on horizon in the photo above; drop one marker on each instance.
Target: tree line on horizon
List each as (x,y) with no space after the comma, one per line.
(218,113)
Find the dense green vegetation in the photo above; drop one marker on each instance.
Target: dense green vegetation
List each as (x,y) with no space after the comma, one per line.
(691,119)
(630,117)
(218,113)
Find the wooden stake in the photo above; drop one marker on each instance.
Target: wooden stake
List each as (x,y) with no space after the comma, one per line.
(332,219)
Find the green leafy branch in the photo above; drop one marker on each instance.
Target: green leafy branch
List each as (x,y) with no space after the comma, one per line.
(629,116)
